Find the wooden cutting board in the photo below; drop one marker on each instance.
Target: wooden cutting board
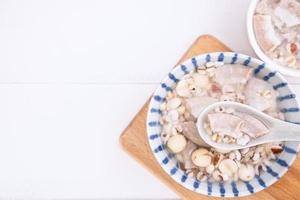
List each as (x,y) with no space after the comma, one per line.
(134,141)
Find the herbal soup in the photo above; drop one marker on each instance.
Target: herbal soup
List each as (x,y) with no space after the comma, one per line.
(212,83)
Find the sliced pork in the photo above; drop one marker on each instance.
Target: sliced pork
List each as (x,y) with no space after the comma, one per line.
(232,74)
(235,127)
(225,124)
(196,104)
(189,130)
(260,95)
(252,126)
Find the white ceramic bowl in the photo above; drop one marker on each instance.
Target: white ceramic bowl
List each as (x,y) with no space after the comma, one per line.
(286,102)
(251,35)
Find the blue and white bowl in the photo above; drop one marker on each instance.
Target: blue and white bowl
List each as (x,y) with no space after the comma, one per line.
(287,104)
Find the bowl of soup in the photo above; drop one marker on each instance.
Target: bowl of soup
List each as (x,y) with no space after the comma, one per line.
(199,82)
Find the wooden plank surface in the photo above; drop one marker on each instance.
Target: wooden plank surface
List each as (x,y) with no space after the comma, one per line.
(134,141)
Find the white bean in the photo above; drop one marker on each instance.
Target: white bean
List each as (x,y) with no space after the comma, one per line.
(173,103)
(210,168)
(246,172)
(201,158)
(228,167)
(172,116)
(238,155)
(177,143)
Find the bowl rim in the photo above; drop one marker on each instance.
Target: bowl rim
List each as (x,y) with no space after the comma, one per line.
(168,170)
(253,42)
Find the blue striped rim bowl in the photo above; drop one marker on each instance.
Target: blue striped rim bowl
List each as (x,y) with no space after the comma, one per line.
(277,168)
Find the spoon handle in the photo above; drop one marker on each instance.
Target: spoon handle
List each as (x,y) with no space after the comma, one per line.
(286,131)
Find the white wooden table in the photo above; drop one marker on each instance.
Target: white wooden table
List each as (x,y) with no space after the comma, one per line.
(73,73)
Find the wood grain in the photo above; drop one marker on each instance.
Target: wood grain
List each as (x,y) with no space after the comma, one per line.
(134,141)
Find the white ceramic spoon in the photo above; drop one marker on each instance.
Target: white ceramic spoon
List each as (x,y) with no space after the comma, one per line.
(279,130)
